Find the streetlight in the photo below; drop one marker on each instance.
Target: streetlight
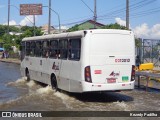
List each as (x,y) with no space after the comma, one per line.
(58,18)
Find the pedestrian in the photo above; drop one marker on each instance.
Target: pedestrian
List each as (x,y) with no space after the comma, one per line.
(2,54)
(7,54)
(138,61)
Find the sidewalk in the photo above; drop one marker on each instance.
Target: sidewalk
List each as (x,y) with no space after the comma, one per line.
(10,60)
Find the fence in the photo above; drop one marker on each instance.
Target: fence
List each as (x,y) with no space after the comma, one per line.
(149,51)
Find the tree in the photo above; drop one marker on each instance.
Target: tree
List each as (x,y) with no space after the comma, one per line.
(15,40)
(7,47)
(74,28)
(3,29)
(110,26)
(29,31)
(114,26)
(138,42)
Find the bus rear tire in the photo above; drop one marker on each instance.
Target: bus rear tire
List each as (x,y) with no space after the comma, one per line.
(54,83)
(27,75)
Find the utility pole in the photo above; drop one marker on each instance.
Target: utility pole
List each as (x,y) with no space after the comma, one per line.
(127,14)
(95,13)
(34,24)
(8,15)
(49,17)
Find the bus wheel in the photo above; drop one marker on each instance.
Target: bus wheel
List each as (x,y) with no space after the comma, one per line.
(54,83)
(27,75)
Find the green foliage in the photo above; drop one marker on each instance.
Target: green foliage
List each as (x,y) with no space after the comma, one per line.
(15,40)
(114,26)
(13,29)
(138,42)
(29,31)
(110,26)
(1,40)
(7,47)
(74,28)
(3,29)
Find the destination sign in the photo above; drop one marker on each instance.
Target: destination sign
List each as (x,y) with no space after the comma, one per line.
(30,9)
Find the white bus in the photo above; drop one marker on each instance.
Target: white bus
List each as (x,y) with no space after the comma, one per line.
(81,61)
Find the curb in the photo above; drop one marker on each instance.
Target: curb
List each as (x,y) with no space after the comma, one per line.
(10,61)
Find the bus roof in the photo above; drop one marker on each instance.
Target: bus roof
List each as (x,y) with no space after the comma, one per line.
(55,36)
(77,34)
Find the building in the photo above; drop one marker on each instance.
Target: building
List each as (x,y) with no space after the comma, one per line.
(52,30)
(89,24)
(15,33)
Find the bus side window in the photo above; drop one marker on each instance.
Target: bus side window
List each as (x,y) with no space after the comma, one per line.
(63,49)
(74,49)
(32,50)
(22,50)
(54,49)
(45,49)
(27,48)
(38,49)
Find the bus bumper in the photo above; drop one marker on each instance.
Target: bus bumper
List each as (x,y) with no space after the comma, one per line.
(87,87)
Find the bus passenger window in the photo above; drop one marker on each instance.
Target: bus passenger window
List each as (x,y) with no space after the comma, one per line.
(32,51)
(74,49)
(38,49)
(27,48)
(54,49)
(45,50)
(63,47)
(22,50)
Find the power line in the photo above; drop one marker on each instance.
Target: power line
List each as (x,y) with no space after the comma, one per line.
(87,6)
(120,12)
(132,7)
(94,12)
(139,14)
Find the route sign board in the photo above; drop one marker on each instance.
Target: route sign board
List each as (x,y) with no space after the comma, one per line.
(30,9)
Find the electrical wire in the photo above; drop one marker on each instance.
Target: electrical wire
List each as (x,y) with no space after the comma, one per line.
(121,12)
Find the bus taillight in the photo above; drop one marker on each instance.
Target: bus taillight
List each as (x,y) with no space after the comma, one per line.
(87,74)
(133,73)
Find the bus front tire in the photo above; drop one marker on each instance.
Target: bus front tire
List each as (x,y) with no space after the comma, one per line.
(54,83)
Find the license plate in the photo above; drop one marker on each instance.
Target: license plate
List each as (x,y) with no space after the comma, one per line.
(111,80)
